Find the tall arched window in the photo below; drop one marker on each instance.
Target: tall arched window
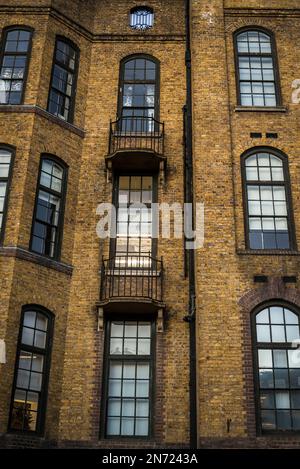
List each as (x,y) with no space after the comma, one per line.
(61,100)
(256,68)
(277,363)
(139,93)
(32,371)
(268,206)
(6,162)
(14,58)
(47,223)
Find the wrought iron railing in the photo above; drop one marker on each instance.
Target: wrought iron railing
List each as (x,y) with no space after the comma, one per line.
(136,276)
(136,133)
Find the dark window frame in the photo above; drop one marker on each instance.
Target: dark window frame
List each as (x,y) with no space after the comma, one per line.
(68,41)
(147,9)
(267,345)
(273,54)
(41,415)
(63,197)
(3,39)
(155,82)
(12,150)
(105,379)
(288,190)
(115,193)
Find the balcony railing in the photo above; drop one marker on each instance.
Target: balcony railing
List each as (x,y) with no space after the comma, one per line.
(135,276)
(136,133)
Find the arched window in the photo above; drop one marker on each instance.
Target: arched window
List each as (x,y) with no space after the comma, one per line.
(61,101)
(268,207)
(32,371)
(256,68)
(6,162)
(277,362)
(48,214)
(139,98)
(14,58)
(141,18)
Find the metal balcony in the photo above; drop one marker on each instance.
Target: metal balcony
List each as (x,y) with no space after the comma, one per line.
(137,278)
(138,134)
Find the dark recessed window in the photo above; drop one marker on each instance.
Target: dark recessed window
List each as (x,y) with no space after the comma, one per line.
(129,378)
(278,369)
(141,18)
(31,373)
(133,244)
(268,201)
(63,83)
(48,215)
(256,69)
(139,94)
(6,157)
(14,64)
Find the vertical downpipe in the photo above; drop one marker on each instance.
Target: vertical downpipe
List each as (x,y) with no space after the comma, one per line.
(190,254)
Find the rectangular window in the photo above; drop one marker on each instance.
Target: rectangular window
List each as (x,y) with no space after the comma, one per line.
(5,171)
(129,378)
(63,84)
(31,372)
(134,220)
(48,217)
(256,67)
(13,65)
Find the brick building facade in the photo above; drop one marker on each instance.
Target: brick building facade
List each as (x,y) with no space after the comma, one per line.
(136,341)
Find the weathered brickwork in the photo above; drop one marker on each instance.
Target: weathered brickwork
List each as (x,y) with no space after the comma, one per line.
(226,292)
(225,270)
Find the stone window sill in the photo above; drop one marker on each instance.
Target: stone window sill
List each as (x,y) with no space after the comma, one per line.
(25,108)
(260,109)
(267,252)
(24,254)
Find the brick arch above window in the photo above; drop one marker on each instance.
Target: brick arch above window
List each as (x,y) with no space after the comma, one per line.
(274,289)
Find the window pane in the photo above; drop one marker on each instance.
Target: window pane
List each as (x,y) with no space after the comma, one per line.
(292,333)
(114,407)
(127,425)
(295,377)
(266,379)
(282,400)
(263,333)
(115,370)
(268,420)
(265,358)
(142,427)
(27,336)
(129,370)
(290,317)
(281,377)
(114,388)
(263,317)
(142,408)
(144,347)
(276,315)
(128,407)
(283,420)
(280,358)
(116,346)
(267,400)
(278,334)
(113,426)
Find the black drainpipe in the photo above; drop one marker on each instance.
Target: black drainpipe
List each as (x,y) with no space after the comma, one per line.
(189,254)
